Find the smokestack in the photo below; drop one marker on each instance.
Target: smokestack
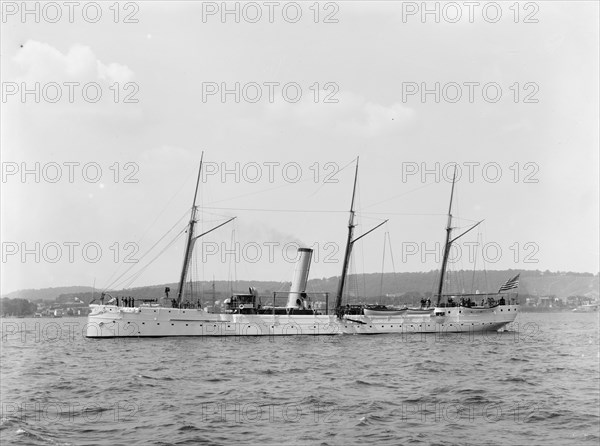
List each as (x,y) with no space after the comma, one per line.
(295,299)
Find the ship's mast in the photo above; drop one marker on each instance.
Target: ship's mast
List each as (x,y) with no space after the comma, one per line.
(448,243)
(190,240)
(340,291)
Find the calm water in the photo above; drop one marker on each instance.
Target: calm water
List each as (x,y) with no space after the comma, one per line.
(538,384)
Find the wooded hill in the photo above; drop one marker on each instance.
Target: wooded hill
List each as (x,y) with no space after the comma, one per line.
(371,286)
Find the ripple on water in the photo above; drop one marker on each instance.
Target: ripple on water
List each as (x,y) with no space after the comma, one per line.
(539,386)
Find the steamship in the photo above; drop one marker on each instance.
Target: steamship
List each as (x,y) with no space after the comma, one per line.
(296,312)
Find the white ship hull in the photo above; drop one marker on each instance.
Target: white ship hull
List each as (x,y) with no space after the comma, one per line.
(454,320)
(108,321)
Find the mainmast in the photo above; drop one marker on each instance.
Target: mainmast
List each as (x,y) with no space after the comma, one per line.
(340,291)
(190,240)
(448,243)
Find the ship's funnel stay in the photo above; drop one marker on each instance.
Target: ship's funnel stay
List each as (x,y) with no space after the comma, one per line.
(297,296)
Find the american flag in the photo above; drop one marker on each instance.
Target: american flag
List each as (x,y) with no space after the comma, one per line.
(510,284)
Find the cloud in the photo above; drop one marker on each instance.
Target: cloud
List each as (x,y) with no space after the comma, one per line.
(39,61)
(351,115)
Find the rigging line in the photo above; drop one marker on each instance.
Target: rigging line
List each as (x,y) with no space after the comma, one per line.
(363,275)
(474,265)
(464,220)
(202,273)
(127,282)
(142,257)
(116,281)
(399,195)
(275,210)
(213,214)
(409,214)
(391,253)
(324,182)
(166,205)
(362,216)
(165,208)
(485,276)
(382,265)
(362,280)
(135,276)
(265,190)
(234,263)
(193,276)
(146,253)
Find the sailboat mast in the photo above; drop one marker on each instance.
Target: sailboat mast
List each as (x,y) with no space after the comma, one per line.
(190,239)
(448,243)
(340,291)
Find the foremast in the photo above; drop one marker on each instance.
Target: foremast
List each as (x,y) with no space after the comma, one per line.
(190,239)
(447,244)
(348,251)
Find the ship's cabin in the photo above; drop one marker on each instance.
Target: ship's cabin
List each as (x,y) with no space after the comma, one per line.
(242,303)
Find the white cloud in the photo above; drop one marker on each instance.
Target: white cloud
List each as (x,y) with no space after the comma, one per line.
(39,61)
(352,115)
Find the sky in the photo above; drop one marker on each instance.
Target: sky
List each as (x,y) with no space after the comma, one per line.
(107,108)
